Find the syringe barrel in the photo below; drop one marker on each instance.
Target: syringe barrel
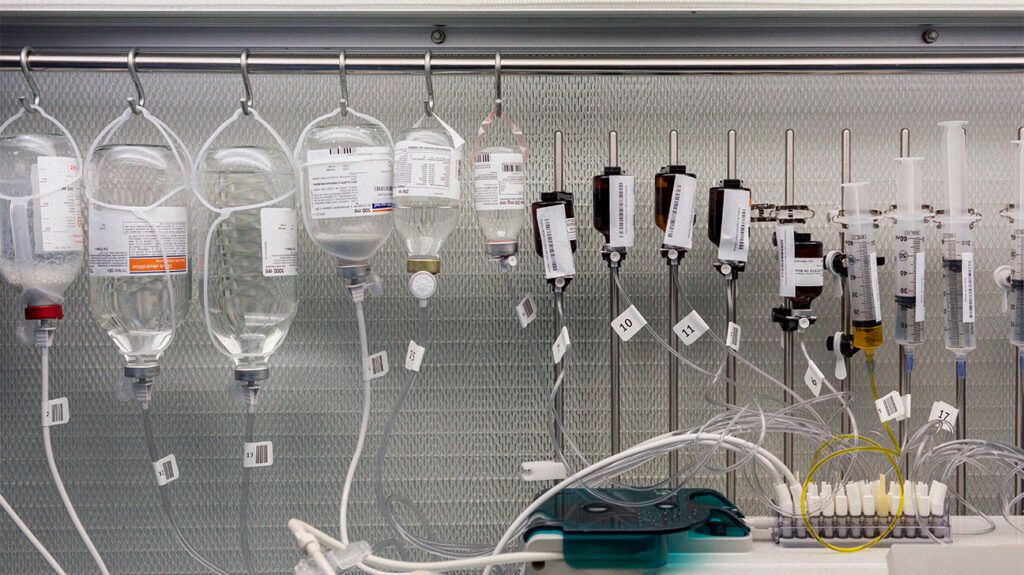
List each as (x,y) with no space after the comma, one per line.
(954,148)
(907,194)
(856,206)
(861,256)
(1019,175)
(1017,313)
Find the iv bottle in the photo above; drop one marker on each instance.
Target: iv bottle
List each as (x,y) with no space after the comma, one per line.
(862,268)
(426,180)
(41,238)
(729,204)
(499,194)
(664,183)
(347,188)
(557,197)
(252,255)
(129,293)
(614,201)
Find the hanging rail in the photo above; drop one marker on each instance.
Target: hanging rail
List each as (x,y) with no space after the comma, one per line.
(327,63)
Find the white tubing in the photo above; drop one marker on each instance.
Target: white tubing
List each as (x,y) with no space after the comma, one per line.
(44,357)
(31,537)
(364,425)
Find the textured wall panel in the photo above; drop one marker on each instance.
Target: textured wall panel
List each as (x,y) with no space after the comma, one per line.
(480,407)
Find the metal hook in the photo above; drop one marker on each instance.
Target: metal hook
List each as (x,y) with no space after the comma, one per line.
(429,102)
(243,63)
(343,79)
(26,71)
(135,104)
(497,84)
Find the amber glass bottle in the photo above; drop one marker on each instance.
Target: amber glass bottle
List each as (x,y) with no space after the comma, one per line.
(716,199)
(554,199)
(664,184)
(602,188)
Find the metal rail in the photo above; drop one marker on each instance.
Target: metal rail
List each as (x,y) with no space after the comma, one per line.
(325,62)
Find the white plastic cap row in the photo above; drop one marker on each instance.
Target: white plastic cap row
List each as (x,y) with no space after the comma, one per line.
(864,498)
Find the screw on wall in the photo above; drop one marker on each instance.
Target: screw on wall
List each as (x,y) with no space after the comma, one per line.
(930,36)
(438,36)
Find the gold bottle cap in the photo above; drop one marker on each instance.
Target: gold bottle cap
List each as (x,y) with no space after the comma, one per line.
(432,265)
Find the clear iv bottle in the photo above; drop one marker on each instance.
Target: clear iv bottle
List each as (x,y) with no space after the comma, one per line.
(426,182)
(499,195)
(128,287)
(41,239)
(346,171)
(252,257)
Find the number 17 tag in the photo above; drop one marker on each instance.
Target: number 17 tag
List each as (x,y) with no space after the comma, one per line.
(629,323)
(945,413)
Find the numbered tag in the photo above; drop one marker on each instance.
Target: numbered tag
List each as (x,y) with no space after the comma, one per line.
(526,311)
(258,454)
(376,365)
(891,407)
(414,356)
(57,412)
(946,413)
(814,378)
(732,337)
(166,470)
(629,323)
(561,345)
(690,328)
(542,471)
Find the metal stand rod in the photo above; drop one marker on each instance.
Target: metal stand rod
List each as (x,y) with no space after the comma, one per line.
(961,433)
(787,336)
(673,363)
(730,386)
(905,374)
(844,310)
(613,358)
(559,299)
(1018,422)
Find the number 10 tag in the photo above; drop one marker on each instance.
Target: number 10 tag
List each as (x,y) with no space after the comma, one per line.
(629,323)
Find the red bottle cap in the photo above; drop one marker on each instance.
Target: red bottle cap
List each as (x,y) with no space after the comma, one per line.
(36,312)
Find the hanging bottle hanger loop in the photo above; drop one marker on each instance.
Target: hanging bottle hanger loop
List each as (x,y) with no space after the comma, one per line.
(139,102)
(32,86)
(497,84)
(243,64)
(343,80)
(429,102)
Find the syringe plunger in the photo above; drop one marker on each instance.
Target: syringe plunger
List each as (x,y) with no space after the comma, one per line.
(954,147)
(907,193)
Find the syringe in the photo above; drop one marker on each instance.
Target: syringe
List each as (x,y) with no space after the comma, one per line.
(862,268)
(1017,255)
(909,217)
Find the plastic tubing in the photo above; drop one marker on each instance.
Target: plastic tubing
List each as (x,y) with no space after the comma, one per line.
(165,499)
(44,340)
(243,508)
(43,551)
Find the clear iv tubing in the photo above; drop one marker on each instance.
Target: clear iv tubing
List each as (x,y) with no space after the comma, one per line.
(243,508)
(165,499)
(43,551)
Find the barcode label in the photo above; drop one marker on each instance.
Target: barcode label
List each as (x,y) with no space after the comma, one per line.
(258,454)
(166,470)
(57,412)
(891,407)
(561,345)
(968,285)
(679,227)
(526,311)
(414,356)
(814,379)
(555,246)
(919,287)
(785,240)
(875,292)
(511,168)
(376,365)
(628,323)
(946,413)
(690,328)
(732,245)
(621,211)
(732,337)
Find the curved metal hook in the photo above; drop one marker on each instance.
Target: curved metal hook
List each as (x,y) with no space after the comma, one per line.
(497,84)
(343,80)
(136,104)
(243,63)
(429,102)
(26,71)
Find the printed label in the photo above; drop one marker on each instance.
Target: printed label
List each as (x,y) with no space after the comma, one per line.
(875,293)
(258,454)
(166,470)
(732,337)
(570,226)
(891,407)
(946,413)
(526,311)
(679,227)
(279,233)
(690,328)
(908,244)
(58,214)
(57,412)
(814,379)
(376,365)
(628,323)
(561,344)
(347,182)
(906,405)
(735,232)
(426,170)
(498,181)
(1017,253)
(919,262)
(809,272)
(414,356)
(785,240)
(621,211)
(968,287)
(554,239)
(124,244)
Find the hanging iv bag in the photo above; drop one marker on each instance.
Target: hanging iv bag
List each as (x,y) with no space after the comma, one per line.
(499,182)
(345,162)
(41,237)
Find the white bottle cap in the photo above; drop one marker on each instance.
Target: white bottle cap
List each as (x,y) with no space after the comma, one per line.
(842,509)
(783,498)
(938,497)
(924,505)
(909,498)
(868,501)
(828,502)
(795,492)
(853,496)
(894,499)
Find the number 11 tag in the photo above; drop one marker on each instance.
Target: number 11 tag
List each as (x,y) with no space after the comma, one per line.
(629,323)
(690,328)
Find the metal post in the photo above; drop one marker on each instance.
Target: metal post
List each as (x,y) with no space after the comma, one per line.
(673,319)
(730,313)
(787,336)
(558,291)
(1018,396)
(614,343)
(961,433)
(905,375)
(844,312)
